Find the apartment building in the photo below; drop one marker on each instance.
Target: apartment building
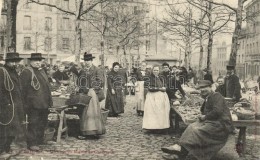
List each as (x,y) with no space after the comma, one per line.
(248,54)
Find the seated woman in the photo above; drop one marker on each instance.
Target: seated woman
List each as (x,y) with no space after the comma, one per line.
(157,105)
(204,138)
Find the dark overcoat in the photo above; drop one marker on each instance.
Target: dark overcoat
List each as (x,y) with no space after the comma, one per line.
(203,139)
(39,97)
(233,87)
(92,78)
(11,105)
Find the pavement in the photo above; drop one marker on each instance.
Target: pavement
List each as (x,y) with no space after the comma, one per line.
(124,139)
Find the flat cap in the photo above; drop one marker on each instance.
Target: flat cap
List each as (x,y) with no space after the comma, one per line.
(203,83)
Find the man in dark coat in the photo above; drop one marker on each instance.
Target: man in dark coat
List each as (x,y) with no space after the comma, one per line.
(11,105)
(37,97)
(207,75)
(233,87)
(204,138)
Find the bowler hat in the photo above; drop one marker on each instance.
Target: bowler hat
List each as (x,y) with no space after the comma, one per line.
(36,56)
(230,67)
(87,57)
(12,56)
(203,83)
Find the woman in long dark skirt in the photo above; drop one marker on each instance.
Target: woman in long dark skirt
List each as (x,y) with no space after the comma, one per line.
(114,98)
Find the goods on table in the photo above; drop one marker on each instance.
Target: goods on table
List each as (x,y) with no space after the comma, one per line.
(244,114)
(189,114)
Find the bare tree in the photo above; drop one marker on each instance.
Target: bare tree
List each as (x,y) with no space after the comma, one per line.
(238,26)
(121,27)
(215,21)
(212,20)
(11,11)
(81,8)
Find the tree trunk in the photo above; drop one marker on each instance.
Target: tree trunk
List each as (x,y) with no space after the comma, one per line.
(236,34)
(77,42)
(11,25)
(210,37)
(201,52)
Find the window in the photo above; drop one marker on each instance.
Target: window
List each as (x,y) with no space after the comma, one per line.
(47,44)
(47,8)
(65,43)
(48,24)
(66,23)
(27,23)
(66,4)
(27,43)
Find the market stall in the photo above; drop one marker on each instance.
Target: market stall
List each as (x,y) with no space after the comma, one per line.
(243,115)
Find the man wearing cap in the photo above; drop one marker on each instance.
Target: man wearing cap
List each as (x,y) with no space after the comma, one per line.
(11,106)
(233,87)
(37,98)
(205,137)
(89,80)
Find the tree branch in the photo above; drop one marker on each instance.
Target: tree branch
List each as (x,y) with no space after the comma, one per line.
(50,5)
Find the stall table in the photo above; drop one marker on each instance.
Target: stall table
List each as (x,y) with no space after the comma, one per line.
(240,124)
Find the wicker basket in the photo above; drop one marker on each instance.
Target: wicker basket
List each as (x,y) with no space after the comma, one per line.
(104,114)
(245,116)
(78,99)
(48,134)
(59,101)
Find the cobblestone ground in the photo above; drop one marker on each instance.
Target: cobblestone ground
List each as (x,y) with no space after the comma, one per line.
(124,140)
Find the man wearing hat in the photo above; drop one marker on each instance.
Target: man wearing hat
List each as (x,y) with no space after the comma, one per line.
(204,138)
(207,75)
(90,80)
(37,98)
(11,106)
(232,84)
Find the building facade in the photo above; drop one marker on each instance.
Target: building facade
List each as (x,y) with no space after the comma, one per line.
(249,43)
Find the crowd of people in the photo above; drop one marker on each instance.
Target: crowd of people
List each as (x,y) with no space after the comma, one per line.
(26,92)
